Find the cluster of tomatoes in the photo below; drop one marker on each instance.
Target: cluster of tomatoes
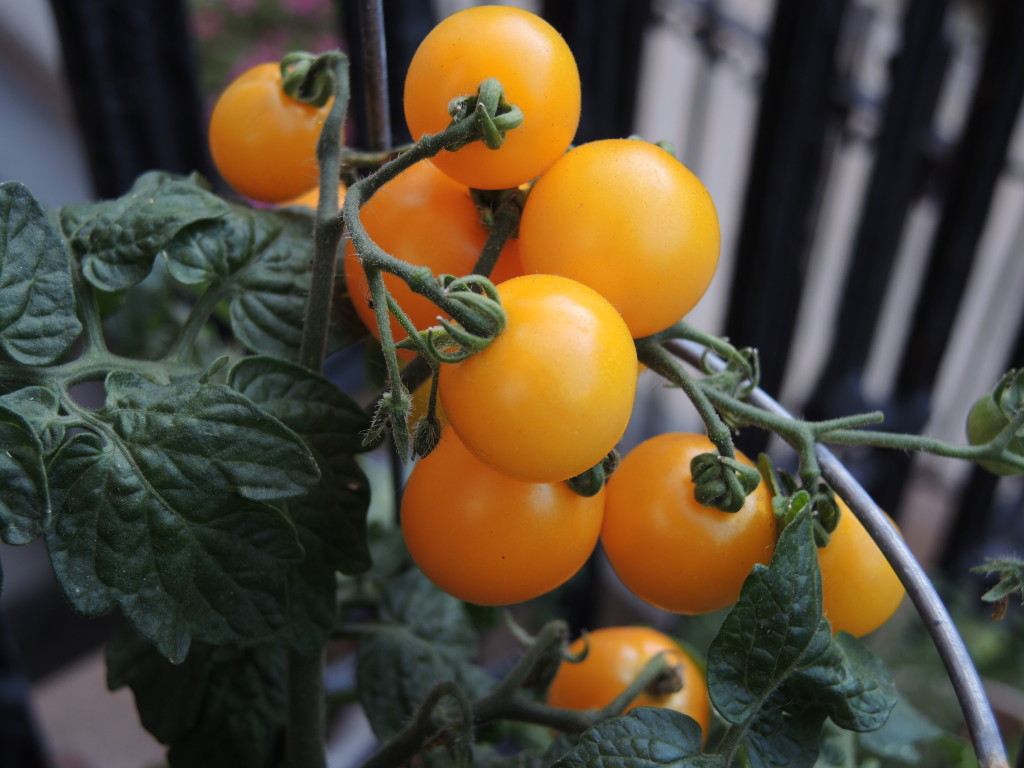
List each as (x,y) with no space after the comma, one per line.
(617,241)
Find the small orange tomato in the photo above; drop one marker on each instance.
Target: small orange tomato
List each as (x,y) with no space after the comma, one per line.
(311,198)
(553,393)
(614,659)
(629,220)
(489,539)
(668,548)
(262,140)
(536,69)
(859,589)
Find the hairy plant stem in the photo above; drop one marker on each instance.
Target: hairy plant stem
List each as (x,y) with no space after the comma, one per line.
(88,310)
(328,229)
(505,702)
(181,348)
(305,735)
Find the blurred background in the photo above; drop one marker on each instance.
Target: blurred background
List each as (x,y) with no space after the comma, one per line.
(866,160)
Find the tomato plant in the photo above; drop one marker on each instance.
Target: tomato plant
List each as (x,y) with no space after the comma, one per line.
(630,221)
(614,656)
(263,141)
(664,545)
(859,589)
(536,69)
(214,500)
(490,539)
(427,219)
(551,396)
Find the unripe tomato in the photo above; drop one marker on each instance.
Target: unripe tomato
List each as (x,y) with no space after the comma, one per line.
(670,550)
(553,393)
(489,539)
(427,219)
(536,69)
(629,220)
(984,422)
(615,657)
(263,141)
(859,589)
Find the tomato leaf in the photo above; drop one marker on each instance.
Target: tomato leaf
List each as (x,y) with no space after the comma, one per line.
(331,518)
(775,667)
(328,419)
(39,406)
(117,240)
(262,260)
(37,315)
(424,637)
(644,738)
(223,705)
(162,514)
(24,503)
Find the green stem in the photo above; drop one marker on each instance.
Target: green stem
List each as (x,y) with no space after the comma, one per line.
(306,730)
(409,741)
(372,256)
(305,736)
(328,229)
(654,356)
(181,348)
(88,309)
(506,223)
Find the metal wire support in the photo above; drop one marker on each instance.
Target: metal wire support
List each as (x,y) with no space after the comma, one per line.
(981,722)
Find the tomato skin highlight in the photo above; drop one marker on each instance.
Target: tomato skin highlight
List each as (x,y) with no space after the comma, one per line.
(536,69)
(427,219)
(490,539)
(666,547)
(860,591)
(553,393)
(614,659)
(263,141)
(629,220)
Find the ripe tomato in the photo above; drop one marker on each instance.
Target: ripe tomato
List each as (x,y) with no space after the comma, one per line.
(859,589)
(615,657)
(427,219)
(984,421)
(489,539)
(539,75)
(263,141)
(630,221)
(552,394)
(669,549)
(311,197)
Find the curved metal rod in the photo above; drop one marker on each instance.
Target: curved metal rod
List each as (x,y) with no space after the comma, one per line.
(981,722)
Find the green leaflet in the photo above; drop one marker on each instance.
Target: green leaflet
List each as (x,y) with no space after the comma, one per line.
(117,240)
(161,513)
(424,637)
(37,304)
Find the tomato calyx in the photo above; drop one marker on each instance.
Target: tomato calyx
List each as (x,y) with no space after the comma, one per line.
(591,482)
(491,112)
(309,78)
(722,482)
(474,303)
(668,681)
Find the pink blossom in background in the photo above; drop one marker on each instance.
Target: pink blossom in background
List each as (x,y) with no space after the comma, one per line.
(241,7)
(207,23)
(309,8)
(324,41)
